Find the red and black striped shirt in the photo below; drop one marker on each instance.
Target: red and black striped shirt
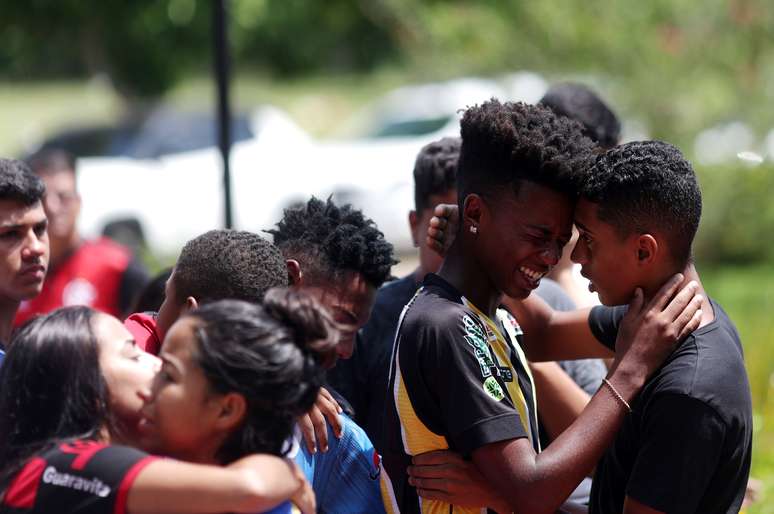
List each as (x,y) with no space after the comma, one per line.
(83,477)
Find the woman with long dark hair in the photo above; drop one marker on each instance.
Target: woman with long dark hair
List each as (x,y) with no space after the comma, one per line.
(73,386)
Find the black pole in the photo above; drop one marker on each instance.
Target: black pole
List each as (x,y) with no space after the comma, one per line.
(224,112)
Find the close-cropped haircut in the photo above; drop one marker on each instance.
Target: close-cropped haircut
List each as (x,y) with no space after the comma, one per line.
(580,103)
(504,144)
(234,264)
(647,186)
(273,354)
(51,160)
(435,170)
(328,240)
(18,183)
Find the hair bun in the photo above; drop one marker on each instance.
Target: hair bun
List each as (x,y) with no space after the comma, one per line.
(312,325)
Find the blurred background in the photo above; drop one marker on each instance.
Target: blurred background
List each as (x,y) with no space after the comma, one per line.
(336,97)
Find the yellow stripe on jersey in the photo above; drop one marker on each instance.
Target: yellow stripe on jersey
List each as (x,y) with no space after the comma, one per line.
(417,438)
(388,493)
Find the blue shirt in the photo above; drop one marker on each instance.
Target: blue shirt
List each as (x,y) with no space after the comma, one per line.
(345,479)
(2,356)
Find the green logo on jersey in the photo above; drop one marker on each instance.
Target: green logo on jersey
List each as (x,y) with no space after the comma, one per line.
(474,336)
(493,389)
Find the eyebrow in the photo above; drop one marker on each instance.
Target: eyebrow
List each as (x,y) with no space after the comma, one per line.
(583,227)
(547,231)
(165,360)
(16,226)
(541,228)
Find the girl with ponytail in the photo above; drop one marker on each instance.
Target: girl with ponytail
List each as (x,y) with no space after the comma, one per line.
(235,376)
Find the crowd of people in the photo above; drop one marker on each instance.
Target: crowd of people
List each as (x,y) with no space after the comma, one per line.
(297,375)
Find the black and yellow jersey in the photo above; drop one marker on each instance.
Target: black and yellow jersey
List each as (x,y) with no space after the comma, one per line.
(458,381)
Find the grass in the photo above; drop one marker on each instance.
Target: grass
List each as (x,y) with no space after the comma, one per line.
(747,294)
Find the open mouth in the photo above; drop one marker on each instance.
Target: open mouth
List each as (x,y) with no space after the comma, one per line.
(532,276)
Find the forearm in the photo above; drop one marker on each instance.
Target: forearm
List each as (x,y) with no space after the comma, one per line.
(560,399)
(538,483)
(551,335)
(255,483)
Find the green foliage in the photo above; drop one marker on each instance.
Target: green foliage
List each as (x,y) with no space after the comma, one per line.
(136,43)
(292,37)
(680,65)
(737,216)
(747,295)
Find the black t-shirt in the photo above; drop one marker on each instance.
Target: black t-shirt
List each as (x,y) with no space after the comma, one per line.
(362,379)
(458,381)
(82,477)
(686,447)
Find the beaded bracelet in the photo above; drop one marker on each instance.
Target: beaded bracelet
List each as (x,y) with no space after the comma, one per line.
(616,394)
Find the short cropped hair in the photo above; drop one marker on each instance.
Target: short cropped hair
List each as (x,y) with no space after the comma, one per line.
(51,160)
(647,186)
(580,103)
(506,143)
(328,240)
(18,183)
(229,264)
(435,170)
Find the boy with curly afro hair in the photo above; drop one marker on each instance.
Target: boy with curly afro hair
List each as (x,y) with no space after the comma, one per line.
(339,256)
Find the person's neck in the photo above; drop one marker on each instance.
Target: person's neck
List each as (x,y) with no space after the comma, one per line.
(8,310)
(461,270)
(61,248)
(418,275)
(690,274)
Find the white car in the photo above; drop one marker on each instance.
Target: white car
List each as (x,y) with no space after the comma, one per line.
(176,197)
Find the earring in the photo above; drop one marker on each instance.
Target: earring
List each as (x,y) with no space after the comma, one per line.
(473,229)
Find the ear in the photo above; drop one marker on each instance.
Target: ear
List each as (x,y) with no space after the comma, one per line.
(295,275)
(233,408)
(414,226)
(472,212)
(647,249)
(189,305)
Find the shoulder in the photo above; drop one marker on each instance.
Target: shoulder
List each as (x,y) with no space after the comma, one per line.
(432,313)
(389,302)
(709,367)
(142,326)
(396,290)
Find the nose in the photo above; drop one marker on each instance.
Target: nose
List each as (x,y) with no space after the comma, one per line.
(151,362)
(578,254)
(552,253)
(34,246)
(145,394)
(346,347)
